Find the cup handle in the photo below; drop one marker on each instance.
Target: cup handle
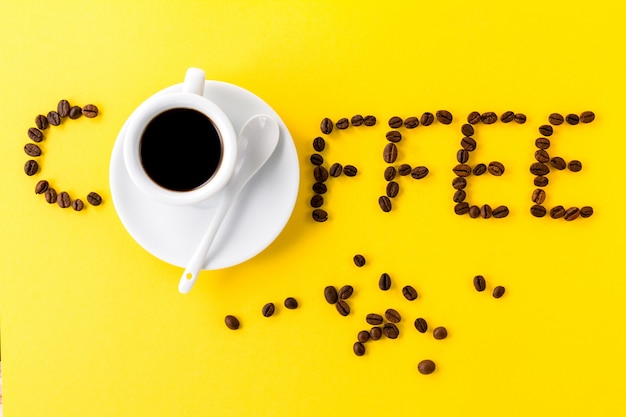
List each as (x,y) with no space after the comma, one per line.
(194,81)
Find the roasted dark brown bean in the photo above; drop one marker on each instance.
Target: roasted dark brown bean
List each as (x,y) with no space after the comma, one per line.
(395,122)
(587,117)
(385,203)
(542,156)
(538,196)
(489,118)
(520,118)
(359,260)
(474,212)
(345,292)
(571,213)
(390,173)
(462,156)
(335,170)
(342,308)
(572,119)
(53,118)
(374,319)
(557,212)
(320,215)
(404,170)
(35,134)
(390,153)
(78,204)
(376,333)
(541,181)
(369,120)
(411,122)
(268,309)
(356,120)
(384,283)
(50,195)
(427,119)
(231,322)
(479,169)
(586,211)
(41,122)
(419,172)
(461,208)
(32,150)
(538,210)
(63,199)
(467,129)
(542,143)
(41,187)
(555,119)
(350,170)
(63,108)
(486,211)
(320,173)
(31,167)
(75,112)
(462,170)
(558,163)
(391,330)
(468,143)
(479,283)
(363,336)
(500,212)
(539,169)
(421,325)
(409,292)
(546,130)
(330,294)
(507,117)
(392,315)
(394,136)
(392,189)
(459,183)
(358,348)
(317,201)
(444,117)
(316,159)
(291,303)
(342,123)
(326,126)
(574,165)
(426,367)
(498,291)
(496,168)
(319,144)
(473,118)
(459,196)
(319,188)
(440,333)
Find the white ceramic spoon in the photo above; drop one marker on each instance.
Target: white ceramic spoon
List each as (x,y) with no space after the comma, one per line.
(256,143)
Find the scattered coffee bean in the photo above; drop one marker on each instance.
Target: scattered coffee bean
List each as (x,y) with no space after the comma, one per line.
(574,165)
(461,208)
(542,156)
(320,173)
(459,196)
(75,112)
(320,188)
(541,181)
(231,322)
(500,212)
(489,118)
(391,331)
(520,118)
(479,169)
(342,123)
(326,126)
(385,203)
(409,292)
(390,153)
(421,325)
(63,199)
(392,315)
(345,292)
(557,212)
(467,129)
(335,169)
(316,159)
(587,117)
(31,167)
(90,111)
(462,170)
(468,143)
(41,187)
(538,196)
(486,211)
(359,260)
(538,210)
(404,169)
(507,117)
(41,122)
(426,367)
(350,170)
(317,201)
(555,119)
(369,120)
(35,134)
(374,319)
(320,215)
(419,172)
(546,130)
(268,309)
(78,204)
(392,189)
(571,213)
(539,169)
(342,308)
(427,119)
(50,195)
(586,211)
(462,155)
(53,118)
(390,173)
(542,143)
(572,119)
(319,144)
(384,283)
(376,333)
(331,295)
(32,150)
(356,120)
(473,118)
(496,168)
(395,122)
(459,183)
(440,333)
(291,303)
(363,336)
(558,163)
(411,122)
(479,283)
(444,117)
(394,136)
(498,291)
(474,212)
(63,108)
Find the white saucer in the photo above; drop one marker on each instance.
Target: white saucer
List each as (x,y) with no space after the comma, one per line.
(258,216)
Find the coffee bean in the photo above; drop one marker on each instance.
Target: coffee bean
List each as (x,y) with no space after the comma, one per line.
(350,170)
(486,211)
(395,122)
(462,170)
(427,119)
(320,215)
(467,129)
(390,153)
(342,308)
(31,167)
(319,188)
(496,168)
(473,118)
(231,322)
(459,183)
(572,119)
(419,172)
(421,325)
(468,143)
(489,118)
(75,112)
(546,130)
(541,181)
(345,292)
(356,120)
(41,122)
(331,295)
(53,118)
(538,210)
(320,173)
(411,122)
(539,169)
(426,367)
(461,208)
(63,108)
(555,119)
(358,348)
(538,196)
(317,201)
(574,165)
(444,117)
(404,169)
(520,118)
(319,144)
(507,117)
(32,150)
(587,117)
(440,333)
(500,212)
(498,291)
(35,134)
(376,333)
(316,159)
(374,319)
(90,111)
(78,204)
(50,195)
(384,283)
(384,203)
(542,156)
(586,211)
(394,136)
(474,212)
(369,120)
(335,169)
(268,309)
(409,293)
(326,126)
(390,173)
(392,189)
(363,336)
(462,155)
(63,199)
(392,315)
(558,163)
(459,196)
(542,143)
(41,187)
(359,260)
(571,213)
(557,212)
(479,169)
(391,331)
(342,123)
(291,303)
(479,283)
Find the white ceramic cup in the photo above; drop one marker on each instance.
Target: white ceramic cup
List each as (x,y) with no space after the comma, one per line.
(191,97)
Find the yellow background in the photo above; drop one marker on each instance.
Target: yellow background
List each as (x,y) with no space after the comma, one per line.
(92,325)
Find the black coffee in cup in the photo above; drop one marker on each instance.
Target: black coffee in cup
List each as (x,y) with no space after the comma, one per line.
(180,149)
